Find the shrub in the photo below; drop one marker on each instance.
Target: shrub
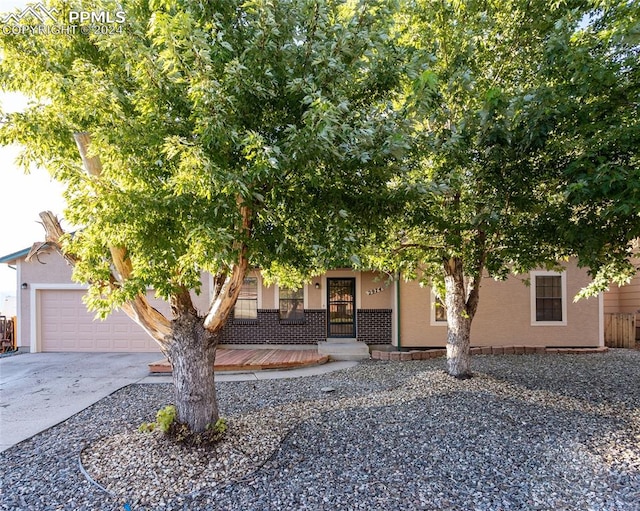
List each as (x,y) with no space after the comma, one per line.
(167,423)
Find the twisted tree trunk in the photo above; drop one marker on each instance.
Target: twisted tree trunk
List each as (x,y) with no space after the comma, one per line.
(188,340)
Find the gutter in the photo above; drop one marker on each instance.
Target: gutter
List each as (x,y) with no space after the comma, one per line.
(398,315)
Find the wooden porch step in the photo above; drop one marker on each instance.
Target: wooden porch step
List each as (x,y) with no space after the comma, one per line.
(254,360)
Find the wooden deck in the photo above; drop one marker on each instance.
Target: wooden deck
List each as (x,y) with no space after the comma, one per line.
(254,360)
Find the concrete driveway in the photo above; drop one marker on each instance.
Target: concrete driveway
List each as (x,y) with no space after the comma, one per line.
(39,390)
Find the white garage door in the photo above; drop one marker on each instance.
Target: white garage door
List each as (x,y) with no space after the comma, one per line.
(66,325)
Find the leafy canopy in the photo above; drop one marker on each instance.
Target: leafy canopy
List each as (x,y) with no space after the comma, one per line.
(526,138)
(199,109)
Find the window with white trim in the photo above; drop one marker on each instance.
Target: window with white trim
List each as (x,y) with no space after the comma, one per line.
(438,311)
(247,304)
(548,298)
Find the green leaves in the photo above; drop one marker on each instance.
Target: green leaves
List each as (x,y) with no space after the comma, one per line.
(199,111)
(525,145)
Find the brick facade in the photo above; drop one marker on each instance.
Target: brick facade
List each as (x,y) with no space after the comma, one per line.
(268,329)
(374,327)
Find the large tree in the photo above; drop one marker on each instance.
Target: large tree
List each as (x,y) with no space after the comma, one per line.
(209,137)
(527,132)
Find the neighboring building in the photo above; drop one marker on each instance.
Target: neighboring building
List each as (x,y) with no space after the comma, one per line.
(626,299)
(342,304)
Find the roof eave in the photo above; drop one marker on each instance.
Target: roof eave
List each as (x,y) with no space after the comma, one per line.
(12,258)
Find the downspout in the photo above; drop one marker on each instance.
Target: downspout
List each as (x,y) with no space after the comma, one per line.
(398,315)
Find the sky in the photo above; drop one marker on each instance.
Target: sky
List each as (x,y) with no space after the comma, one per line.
(22,196)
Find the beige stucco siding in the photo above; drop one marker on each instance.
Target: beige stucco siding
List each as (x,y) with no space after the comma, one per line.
(51,272)
(504,316)
(374,290)
(377,291)
(415,317)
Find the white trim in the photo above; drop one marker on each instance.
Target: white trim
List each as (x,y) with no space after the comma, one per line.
(563,296)
(19,292)
(259,276)
(276,296)
(35,333)
(345,274)
(432,309)
(305,297)
(210,291)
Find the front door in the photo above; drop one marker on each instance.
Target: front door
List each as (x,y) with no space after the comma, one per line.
(341,307)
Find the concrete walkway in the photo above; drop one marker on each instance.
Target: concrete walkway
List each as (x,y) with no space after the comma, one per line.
(39,390)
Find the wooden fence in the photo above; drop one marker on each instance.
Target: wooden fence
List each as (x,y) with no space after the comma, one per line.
(620,330)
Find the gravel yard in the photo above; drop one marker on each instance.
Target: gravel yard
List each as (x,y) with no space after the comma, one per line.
(531,432)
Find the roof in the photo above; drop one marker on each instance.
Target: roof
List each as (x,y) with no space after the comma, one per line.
(11,258)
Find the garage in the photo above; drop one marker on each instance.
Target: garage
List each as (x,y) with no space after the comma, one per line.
(66,325)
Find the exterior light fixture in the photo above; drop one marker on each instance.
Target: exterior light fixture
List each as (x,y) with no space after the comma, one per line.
(24,285)
(317,286)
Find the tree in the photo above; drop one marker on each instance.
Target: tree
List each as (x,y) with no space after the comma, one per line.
(214,137)
(525,149)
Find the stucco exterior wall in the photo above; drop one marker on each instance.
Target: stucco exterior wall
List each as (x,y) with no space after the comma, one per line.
(51,271)
(373,296)
(504,316)
(373,290)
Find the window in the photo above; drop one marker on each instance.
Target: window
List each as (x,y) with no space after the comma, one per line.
(548,297)
(292,304)
(438,311)
(247,304)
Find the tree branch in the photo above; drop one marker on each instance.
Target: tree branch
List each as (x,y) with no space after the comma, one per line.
(139,309)
(474,287)
(228,291)
(181,303)
(406,246)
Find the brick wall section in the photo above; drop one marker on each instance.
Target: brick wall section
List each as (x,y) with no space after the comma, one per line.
(374,327)
(268,329)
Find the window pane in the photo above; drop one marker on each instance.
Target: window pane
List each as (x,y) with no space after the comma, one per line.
(549,298)
(441,312)
(247,304)
(292,304)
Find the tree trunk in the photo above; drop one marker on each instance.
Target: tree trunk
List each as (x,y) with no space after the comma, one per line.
(458,320)
(192,354)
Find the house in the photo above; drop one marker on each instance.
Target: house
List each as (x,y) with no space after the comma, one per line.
(361,308)
(52,316)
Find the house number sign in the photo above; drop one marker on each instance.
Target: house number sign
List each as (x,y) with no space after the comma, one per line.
(375,291)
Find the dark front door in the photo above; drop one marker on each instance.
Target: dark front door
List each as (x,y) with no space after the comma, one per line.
(341,307)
